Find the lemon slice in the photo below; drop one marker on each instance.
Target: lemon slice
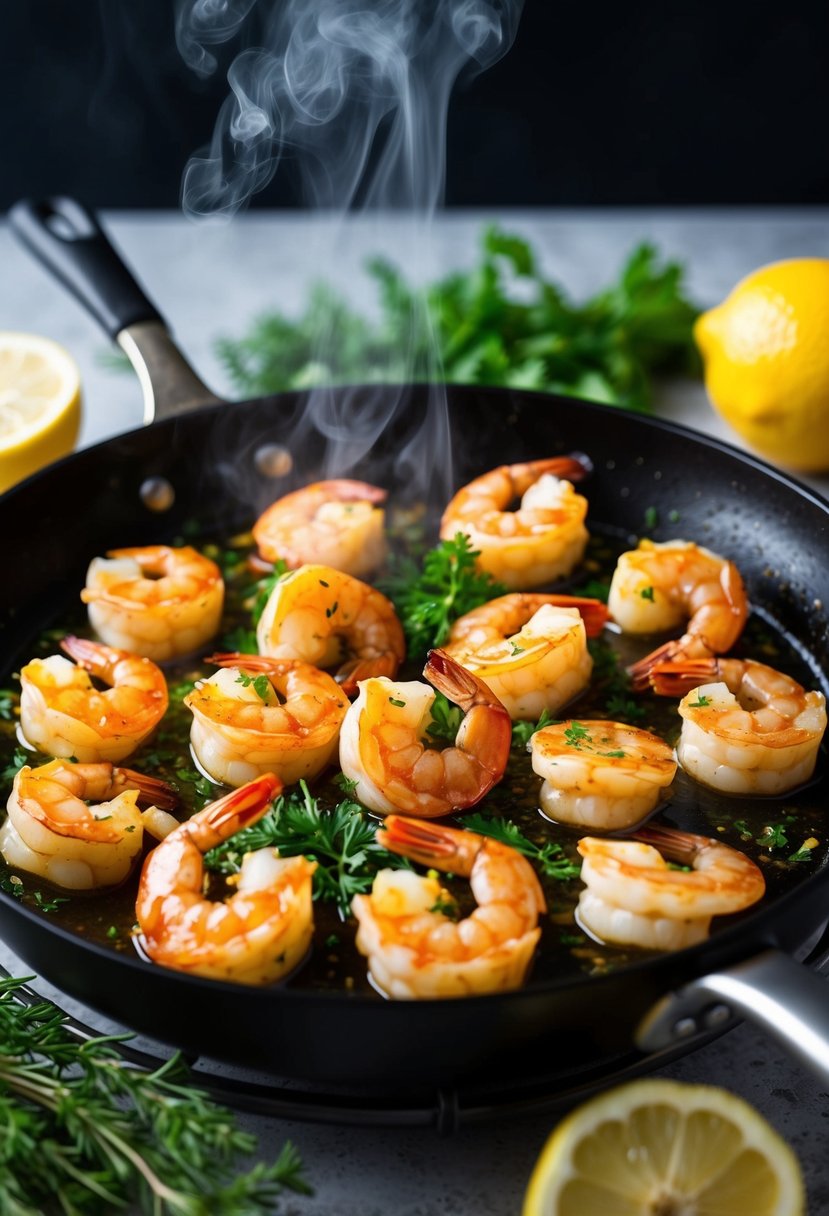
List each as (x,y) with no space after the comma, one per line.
(664,1148)
(40,405)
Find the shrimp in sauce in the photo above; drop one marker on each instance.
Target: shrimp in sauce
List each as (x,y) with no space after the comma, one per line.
(382,748)
(260,715)
(156,601)
(257,935)
(747,728)
(633,897)
(657,587)
(316,613)
(78,825)
(601,775)
(529,648)
(62,713)
(335,523)
(542,540)
(414,950)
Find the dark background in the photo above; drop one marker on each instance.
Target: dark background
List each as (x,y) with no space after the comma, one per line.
(640,103)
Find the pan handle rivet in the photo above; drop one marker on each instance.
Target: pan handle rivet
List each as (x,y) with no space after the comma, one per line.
(157,494)
(272,460)
(684,1028)
(716,1016)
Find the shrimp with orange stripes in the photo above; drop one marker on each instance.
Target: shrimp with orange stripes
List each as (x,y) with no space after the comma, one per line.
(539,542)
(78,825)
(62,713)
(335,523)
(633,897)
(260,933)
(658,586)
(416,951)
(156,601)
(259,715)
(529,648)
(382,743)
(319,615)
(746,728)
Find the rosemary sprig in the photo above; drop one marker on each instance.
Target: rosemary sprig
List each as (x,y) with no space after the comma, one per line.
(85,1132)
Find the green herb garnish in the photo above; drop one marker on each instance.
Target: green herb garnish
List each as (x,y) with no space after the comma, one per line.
(261,685)
(341,839)
(522,732)
(86,1133)
(647,594)
(446,719)
(549,857)
(701,701)
(430,599)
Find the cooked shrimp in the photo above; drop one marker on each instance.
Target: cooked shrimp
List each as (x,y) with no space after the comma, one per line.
(382,750)
(414,950)
(259,715)
(531,649)
(316,613)
(658,586)
(602,775)
(333,523)
(63,714)
(78,825)
(154,601)
(747,729)
(634,898)
(256,936)
(541,541)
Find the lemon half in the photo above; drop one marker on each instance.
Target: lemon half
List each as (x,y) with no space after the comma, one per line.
(40,405)
(665,1148)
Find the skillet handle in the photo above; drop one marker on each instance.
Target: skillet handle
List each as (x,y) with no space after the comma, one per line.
(66,238)
(787,999)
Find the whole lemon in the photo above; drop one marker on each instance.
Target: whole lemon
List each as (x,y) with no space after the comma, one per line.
(766,356)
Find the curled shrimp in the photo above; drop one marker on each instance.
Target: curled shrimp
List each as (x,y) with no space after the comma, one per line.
(256,936)
(530,648)
(633,897)
(414,950)
(260,715)
(657,587)
(747,729)
(335,523)
(316,614)
(155,601)
(62,713)
(601,775)
(382,749)
(78,825)
(541,541)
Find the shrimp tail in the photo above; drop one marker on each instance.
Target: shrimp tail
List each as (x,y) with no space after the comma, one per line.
(426,843)
(350,674)
(252,662)
(569,468)
(237,810)
(462,687)
(593,612)
(93,656)
(669,652)
(151,790)
(680,847)
(345,489)
(675,679)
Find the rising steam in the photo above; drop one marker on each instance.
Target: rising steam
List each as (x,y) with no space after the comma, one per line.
(356,93)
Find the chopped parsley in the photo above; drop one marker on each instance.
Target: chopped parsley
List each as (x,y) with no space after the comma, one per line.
(260,684)
(550,857)
(446,719)
(647,594)
(522,732)
(701,701)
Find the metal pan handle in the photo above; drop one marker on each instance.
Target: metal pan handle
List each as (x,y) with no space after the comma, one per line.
(787,999)
(68,241)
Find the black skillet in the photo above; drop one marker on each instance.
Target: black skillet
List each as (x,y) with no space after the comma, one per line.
(217,458)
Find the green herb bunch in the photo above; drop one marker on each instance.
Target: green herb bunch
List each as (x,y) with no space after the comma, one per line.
(341,839)
(503,323)
(86,1132)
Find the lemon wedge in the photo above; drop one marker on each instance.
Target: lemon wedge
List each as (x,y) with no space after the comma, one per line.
(40,405)
(665,1148)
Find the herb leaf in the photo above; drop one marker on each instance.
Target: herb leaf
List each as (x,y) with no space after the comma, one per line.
(549,857)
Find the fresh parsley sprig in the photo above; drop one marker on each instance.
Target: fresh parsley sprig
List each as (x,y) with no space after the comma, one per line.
(341,839)
(430,598)
(85,1132)
(550,857)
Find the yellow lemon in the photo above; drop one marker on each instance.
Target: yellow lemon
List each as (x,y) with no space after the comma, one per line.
(665,1148)
(40,405)
(766,358)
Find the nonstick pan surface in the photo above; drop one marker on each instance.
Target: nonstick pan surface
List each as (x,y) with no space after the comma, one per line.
(643,469)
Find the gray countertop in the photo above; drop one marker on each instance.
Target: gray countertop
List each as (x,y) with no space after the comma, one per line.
(210,281)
